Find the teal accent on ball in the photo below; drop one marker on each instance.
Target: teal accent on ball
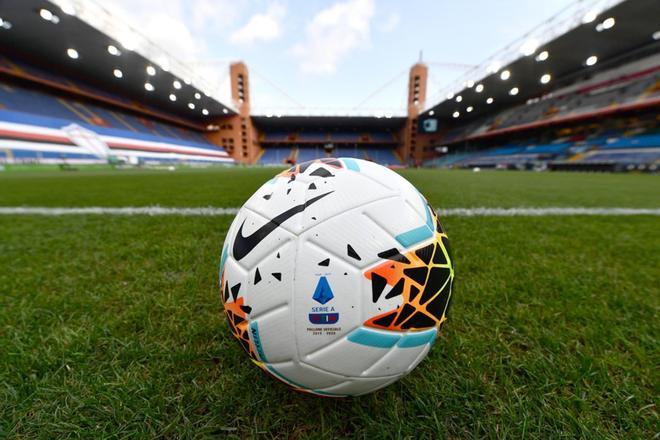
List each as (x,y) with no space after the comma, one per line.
(414,236)
(417,235)
(379,339)
(418,338)
(372,338)
(223,258)
(351,164)
(256,340)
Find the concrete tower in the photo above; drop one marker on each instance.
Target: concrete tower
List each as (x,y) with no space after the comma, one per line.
(236,133)
(410,149)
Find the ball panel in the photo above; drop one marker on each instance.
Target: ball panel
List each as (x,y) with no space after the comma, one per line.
(348,358)
(305,376)
(276,335)
(395,182)
(356,387)
(235,307)
(273,199)
(424,280)
(400,358)
(349,190)
(352,237)
(269,283)
(396,218)
(378,173)
(420,358)
(327,297)
(255,238)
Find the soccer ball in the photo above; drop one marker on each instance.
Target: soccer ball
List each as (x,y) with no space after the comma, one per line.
(336,276)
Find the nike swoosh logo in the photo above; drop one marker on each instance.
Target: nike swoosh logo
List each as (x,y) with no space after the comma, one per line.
(244,245)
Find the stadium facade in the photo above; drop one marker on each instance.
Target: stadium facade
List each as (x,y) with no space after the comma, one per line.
(587,99)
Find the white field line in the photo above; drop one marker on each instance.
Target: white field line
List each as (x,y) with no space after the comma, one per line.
(213,211)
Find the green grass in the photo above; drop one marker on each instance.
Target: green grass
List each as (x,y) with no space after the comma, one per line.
(232,186)
(112,326)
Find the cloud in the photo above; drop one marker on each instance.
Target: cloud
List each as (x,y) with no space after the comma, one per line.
(182,28)
(390,23)
(215,14)
(332,34)
(173,35)
(261,27)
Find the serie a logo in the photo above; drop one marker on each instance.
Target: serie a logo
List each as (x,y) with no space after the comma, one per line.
(322,295)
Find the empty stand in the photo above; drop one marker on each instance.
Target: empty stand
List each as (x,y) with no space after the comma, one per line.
(35,126)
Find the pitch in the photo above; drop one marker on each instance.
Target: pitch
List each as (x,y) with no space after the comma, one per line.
(113,324)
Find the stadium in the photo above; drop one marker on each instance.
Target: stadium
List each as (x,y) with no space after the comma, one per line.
(123,166)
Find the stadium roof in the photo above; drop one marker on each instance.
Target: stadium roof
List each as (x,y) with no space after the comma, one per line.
(627,29)
(44,34)
(328,123)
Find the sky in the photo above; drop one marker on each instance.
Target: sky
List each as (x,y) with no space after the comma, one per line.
(334,55)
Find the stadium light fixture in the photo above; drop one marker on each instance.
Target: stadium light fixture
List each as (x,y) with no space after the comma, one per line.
(542,56)
(489,100)
(72,53)
(112,50)
(225,111)
(191,106)
(172,97)
(47,15)
(205,112)
(187,81)
(506,74)
(514,91)
(431,113)
(118,73)
(479,88)
(469,84)
(589,17)
(656,35)
(593,59)
(149,87)
(198,95)
(451,95)
(4,24)
(459,98)
(176,84)
(151,70)
(608,23)
(545,78)
(456,114)
(469,109)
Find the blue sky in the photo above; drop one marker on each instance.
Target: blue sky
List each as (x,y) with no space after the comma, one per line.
(332,55)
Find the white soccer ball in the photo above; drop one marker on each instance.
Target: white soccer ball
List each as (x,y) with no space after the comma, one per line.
(336,277)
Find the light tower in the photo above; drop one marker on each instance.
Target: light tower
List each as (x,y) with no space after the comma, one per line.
(410,150)
(236,133)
